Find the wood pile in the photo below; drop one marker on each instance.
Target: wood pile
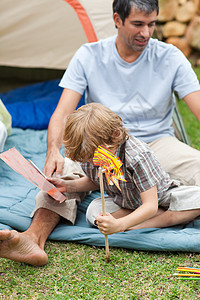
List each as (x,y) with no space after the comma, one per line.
(179,24)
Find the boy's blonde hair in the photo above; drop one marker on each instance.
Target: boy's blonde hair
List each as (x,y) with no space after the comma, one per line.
(90,126)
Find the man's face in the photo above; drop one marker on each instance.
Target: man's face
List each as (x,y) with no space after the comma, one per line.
(137,29)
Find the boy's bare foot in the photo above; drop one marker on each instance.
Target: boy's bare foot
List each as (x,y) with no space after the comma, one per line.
(21,248)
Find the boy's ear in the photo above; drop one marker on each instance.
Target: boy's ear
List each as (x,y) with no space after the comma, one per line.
(116,133)
(115,139)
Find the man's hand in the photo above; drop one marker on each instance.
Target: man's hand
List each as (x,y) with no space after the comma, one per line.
(54,163)
(108,224)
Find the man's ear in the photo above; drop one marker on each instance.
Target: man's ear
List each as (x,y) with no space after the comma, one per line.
(117,20)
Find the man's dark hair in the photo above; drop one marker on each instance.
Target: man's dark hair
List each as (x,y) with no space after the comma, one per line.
(123,7)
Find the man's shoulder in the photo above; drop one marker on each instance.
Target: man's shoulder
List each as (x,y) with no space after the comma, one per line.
(94,46)
(160,48)
(95,51)
(160,44)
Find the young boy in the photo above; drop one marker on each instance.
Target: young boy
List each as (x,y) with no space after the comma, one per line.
(148,198)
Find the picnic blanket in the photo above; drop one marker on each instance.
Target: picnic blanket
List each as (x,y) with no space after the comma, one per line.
(17,194)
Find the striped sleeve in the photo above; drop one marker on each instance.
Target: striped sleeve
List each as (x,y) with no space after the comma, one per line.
(91,172)
(146,171)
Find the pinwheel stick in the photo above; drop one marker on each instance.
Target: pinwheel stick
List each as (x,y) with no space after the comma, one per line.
(101,171)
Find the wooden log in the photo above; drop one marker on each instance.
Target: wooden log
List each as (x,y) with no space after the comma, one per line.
(180,43)
(167,10)
(182,2)
(185,12)
(158,34)
(198,62)
(193,33)
(198,6)
(173,28)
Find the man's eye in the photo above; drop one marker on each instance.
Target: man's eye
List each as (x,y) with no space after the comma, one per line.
(152,25)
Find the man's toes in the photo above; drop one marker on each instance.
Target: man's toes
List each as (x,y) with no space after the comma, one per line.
(5,234)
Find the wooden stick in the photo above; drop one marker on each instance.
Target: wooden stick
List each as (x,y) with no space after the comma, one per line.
(104,210)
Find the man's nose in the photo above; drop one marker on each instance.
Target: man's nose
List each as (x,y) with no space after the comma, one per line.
(145,31)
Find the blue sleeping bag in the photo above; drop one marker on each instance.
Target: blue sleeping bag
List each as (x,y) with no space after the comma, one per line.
(31,108)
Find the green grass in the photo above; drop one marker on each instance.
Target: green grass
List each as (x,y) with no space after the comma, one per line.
(80,272)
(191,124)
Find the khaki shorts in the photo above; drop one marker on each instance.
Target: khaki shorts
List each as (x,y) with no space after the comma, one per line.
(179,160)
(68,208)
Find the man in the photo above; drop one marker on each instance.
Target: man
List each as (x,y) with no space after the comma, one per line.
(135,76)
(117,69)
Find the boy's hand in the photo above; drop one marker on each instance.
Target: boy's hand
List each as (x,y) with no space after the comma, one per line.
(59,183)
(108,224)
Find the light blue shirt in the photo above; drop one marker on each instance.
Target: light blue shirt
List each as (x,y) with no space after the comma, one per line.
(140,92)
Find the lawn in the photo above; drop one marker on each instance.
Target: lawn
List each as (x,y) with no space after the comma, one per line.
(80,272)
(192,126)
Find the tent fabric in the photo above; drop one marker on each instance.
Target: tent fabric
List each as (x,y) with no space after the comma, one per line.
(46,33)
(17,199)
(84,19)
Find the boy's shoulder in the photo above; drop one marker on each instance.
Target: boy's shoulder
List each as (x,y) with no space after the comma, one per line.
(136,150)
(135,146)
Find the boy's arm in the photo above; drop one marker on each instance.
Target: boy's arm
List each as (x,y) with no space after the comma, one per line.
(109,225)
(83,184)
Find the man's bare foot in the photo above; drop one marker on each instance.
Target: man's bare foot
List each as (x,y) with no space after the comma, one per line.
(21,248)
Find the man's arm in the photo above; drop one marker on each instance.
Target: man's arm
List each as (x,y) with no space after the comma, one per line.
(66,105)
(193,102)
(109,225)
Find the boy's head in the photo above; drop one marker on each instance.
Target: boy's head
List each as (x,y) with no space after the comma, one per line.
(90,126)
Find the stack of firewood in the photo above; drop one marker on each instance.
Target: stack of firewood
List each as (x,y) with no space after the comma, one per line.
(179,24)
